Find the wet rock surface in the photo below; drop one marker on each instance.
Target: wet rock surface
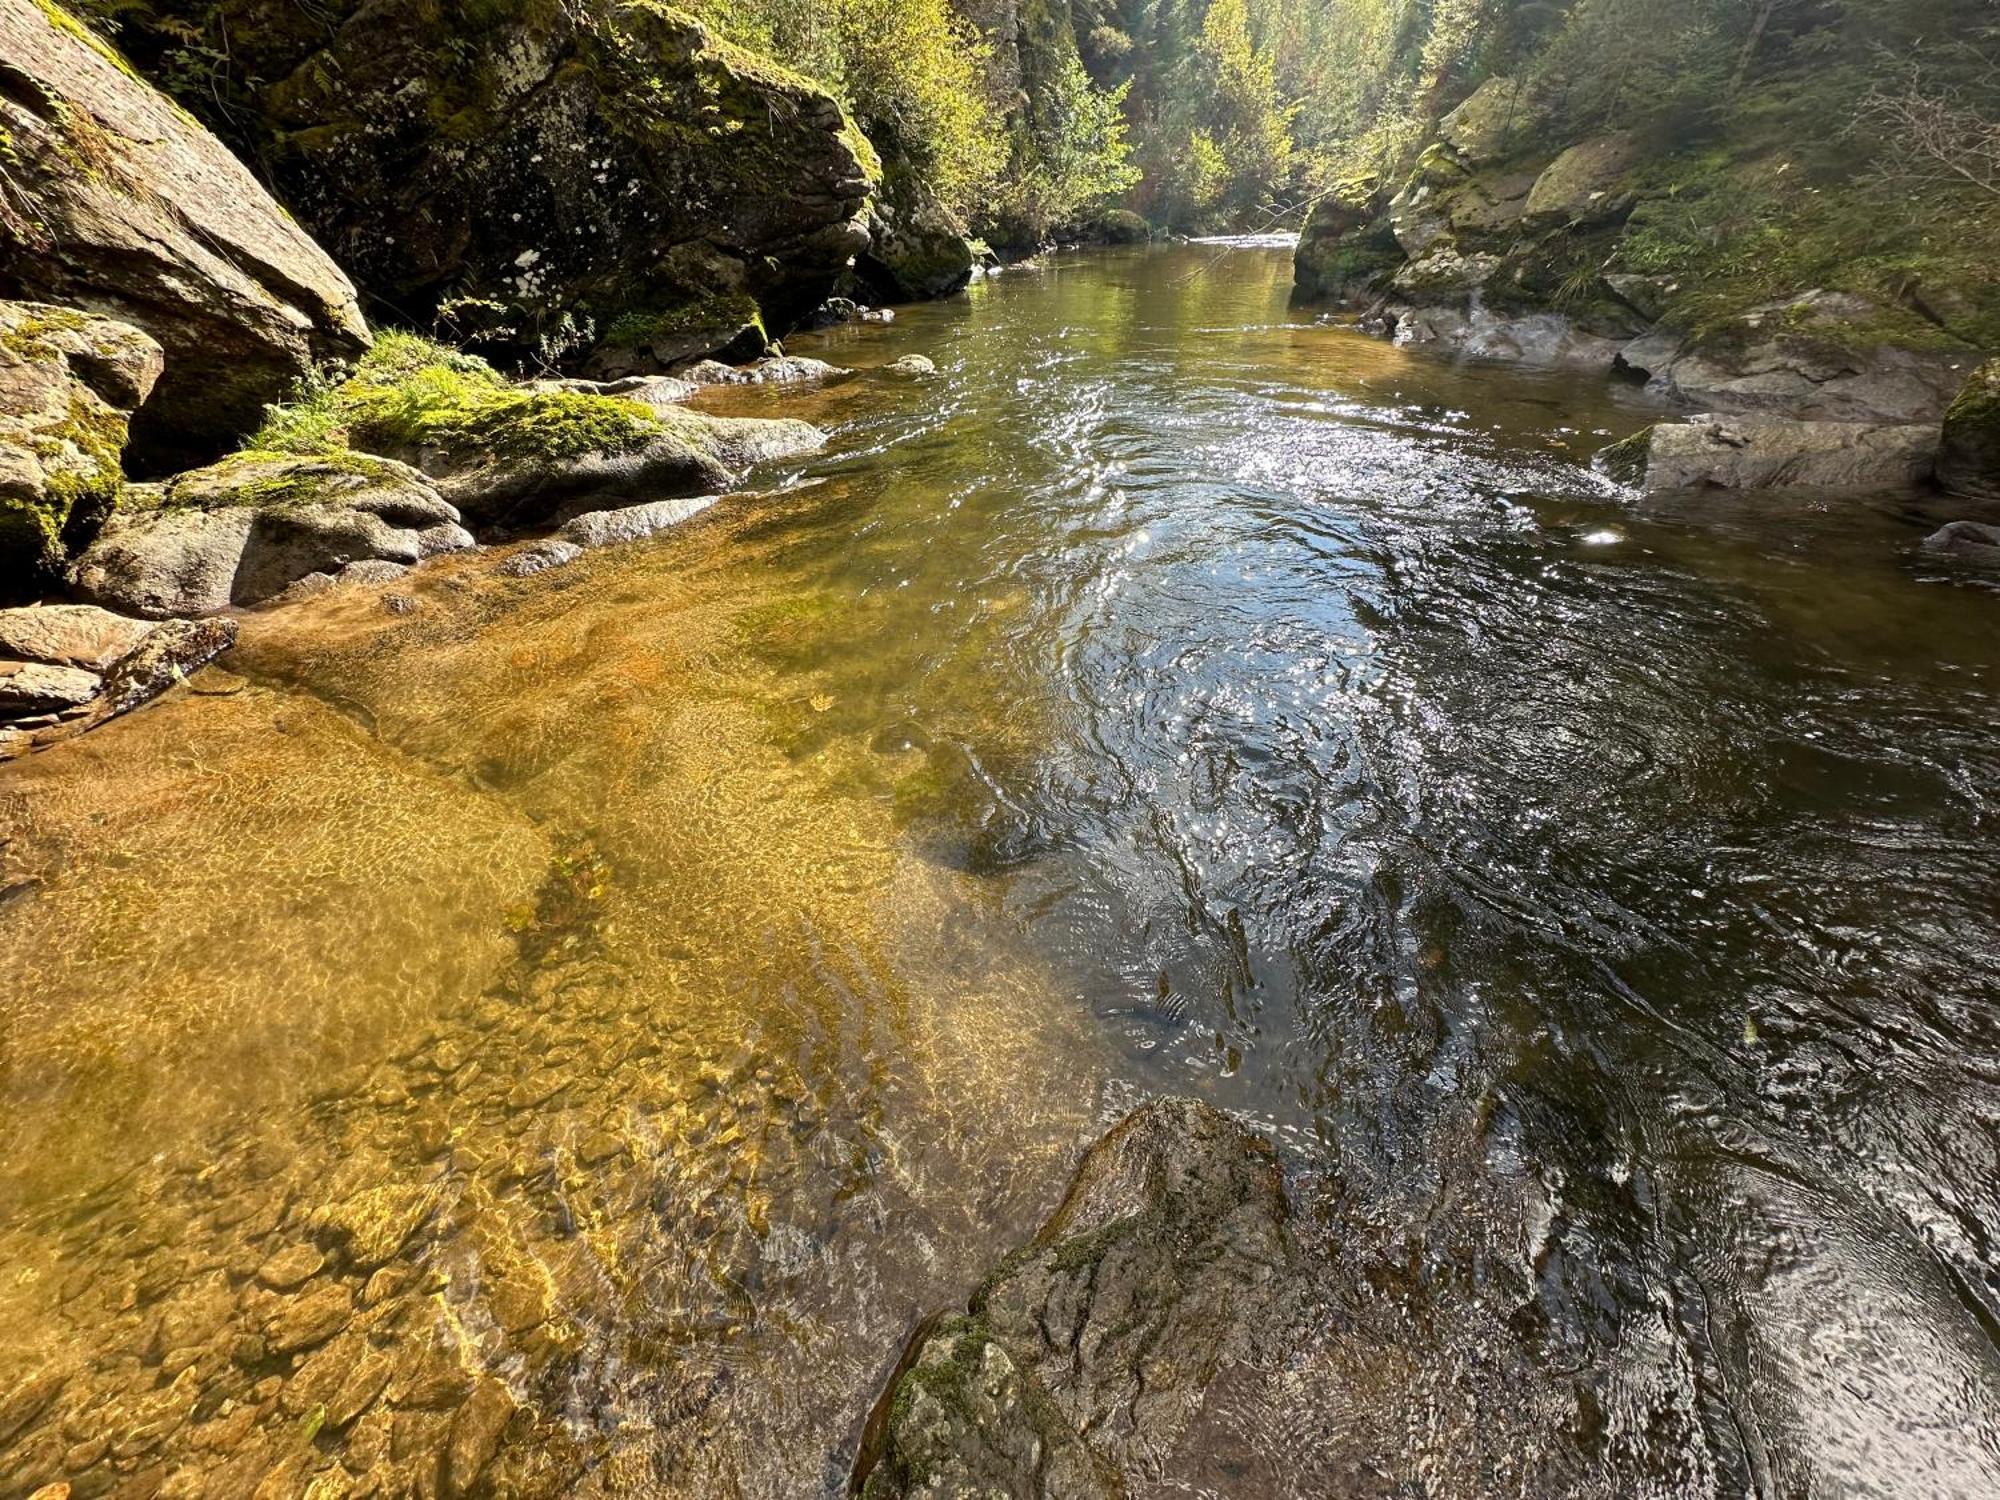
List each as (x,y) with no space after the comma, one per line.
(1741,452)
(66,668)
(165,230)
(1975,541)
(1085,1357)
(247,529)
(604,528)
(779,370)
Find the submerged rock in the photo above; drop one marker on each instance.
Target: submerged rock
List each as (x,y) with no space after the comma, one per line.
(540,557)
(246,529)
(912,364)
(119,201)
(66,668)
(1969,459)
(604,528)
(69,382)
(1971,540)
(1085,1357)
(1751,452)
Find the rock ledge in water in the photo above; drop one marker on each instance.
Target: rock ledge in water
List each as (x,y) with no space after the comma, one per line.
(65,668)
(1085,1356)
(246,529)
(1749,452)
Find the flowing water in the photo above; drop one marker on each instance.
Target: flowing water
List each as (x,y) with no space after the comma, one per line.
(561,1035)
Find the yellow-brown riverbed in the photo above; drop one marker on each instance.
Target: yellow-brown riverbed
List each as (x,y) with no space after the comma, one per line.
(561,1034)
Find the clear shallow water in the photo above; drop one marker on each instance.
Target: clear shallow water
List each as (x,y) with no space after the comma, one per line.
(648,989)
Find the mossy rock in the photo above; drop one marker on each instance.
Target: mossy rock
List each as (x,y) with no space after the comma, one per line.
(115,198)
(1969,461)
(728,326)
(69,382)
(594,172)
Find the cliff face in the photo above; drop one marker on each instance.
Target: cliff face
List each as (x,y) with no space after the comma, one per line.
(116,202)
(607,176)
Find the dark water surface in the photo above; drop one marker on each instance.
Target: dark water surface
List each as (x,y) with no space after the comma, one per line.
(561,1039)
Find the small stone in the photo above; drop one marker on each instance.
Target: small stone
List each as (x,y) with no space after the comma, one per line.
(28,1400)
(373,1225)
(385,1284)
(291,1267)
(475,1434)
(309,1319)
(541,557)
(215,682)
(433,1382)
(912,364)
(358,1392)
(249,1349)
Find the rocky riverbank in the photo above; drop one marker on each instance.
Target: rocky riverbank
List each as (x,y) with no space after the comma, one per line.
(169,318)
(1508,241)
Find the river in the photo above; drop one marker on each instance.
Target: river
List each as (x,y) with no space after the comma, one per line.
(562,1034)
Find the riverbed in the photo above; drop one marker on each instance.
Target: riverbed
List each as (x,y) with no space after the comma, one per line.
(562,1034)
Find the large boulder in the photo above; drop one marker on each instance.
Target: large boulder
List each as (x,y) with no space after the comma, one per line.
(512,459)
(1969,458)
(1348,247)
(65,668)
(917,248)
(244,530)
(69,383)
(1492,122)
(1086,1356)
(1755,452)
(1822,356)
(1586,184)
(566,173)
(117,201)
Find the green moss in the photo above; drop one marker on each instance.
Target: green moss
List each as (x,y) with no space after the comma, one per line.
(64,22)
(28,337)
(697,318)
(1625,460)
(82,479)
(1978,403)
(266,479)
(409,392)
(446,410)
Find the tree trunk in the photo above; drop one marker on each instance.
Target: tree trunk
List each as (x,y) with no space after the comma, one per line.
(1750,44)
